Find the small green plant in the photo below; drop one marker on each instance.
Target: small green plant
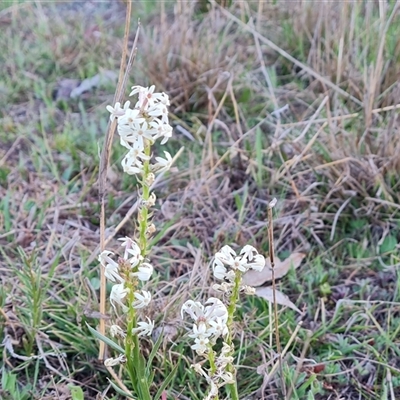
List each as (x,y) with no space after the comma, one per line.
(10,390)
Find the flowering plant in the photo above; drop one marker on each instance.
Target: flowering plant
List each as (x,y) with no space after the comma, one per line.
(215,320)
(138,128)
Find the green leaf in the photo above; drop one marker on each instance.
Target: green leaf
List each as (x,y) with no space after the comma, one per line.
(119,390)
(244,96)
(8,381)
(106,340)
(153,353)
(389,244)
(358,223)
(310,395)
(76,392)
(166,382)
(95,282)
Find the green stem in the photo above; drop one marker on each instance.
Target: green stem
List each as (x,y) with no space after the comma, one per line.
(232,387)
(213,367)
(130,344)
(135,360)
(144,212)
(211,360)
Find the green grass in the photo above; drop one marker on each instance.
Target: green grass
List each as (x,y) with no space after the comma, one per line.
(349,286)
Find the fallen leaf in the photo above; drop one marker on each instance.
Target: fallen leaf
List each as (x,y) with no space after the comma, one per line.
(93,82)
(267,293)
(257,278)
(64,88)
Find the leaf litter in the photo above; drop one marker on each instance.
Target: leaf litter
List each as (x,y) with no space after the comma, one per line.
(257,278)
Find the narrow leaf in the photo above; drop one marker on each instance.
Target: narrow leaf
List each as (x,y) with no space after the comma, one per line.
(166,382)
(119,390)
(106,340)
(153,353)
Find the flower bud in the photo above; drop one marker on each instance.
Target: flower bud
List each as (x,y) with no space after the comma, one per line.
(150,179)
(151,229)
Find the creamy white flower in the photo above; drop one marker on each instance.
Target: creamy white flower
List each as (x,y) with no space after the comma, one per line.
(135,136)
(150,179)
(249,290)
(199,330)
(248,258)
(167,133)
(144,328)
(225,376)
(128,137)
(224,287)
(118,293)
(213,393)
(248,252)
(219,269)
(258,263)
(240,264)
(111,362)
(132,251)
(159,110)
(142,300)
(117,331)
(131,118)
(147,97)
(161,129)
(223,360)
(146,132)
(144,272)
(218,328)
(214,309)
(199,369)
(117,111)
(200,345)
(151,201)
(230,276)
(225,357)
(227,349)
(164,99)
(163,164)
(111,268)
(255,261)
(132,166)
(194,308)
(226,255)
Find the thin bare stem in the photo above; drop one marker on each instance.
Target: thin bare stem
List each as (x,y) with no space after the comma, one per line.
(272,260)
(104,162)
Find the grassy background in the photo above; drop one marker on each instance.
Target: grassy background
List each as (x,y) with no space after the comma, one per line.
(294,100)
